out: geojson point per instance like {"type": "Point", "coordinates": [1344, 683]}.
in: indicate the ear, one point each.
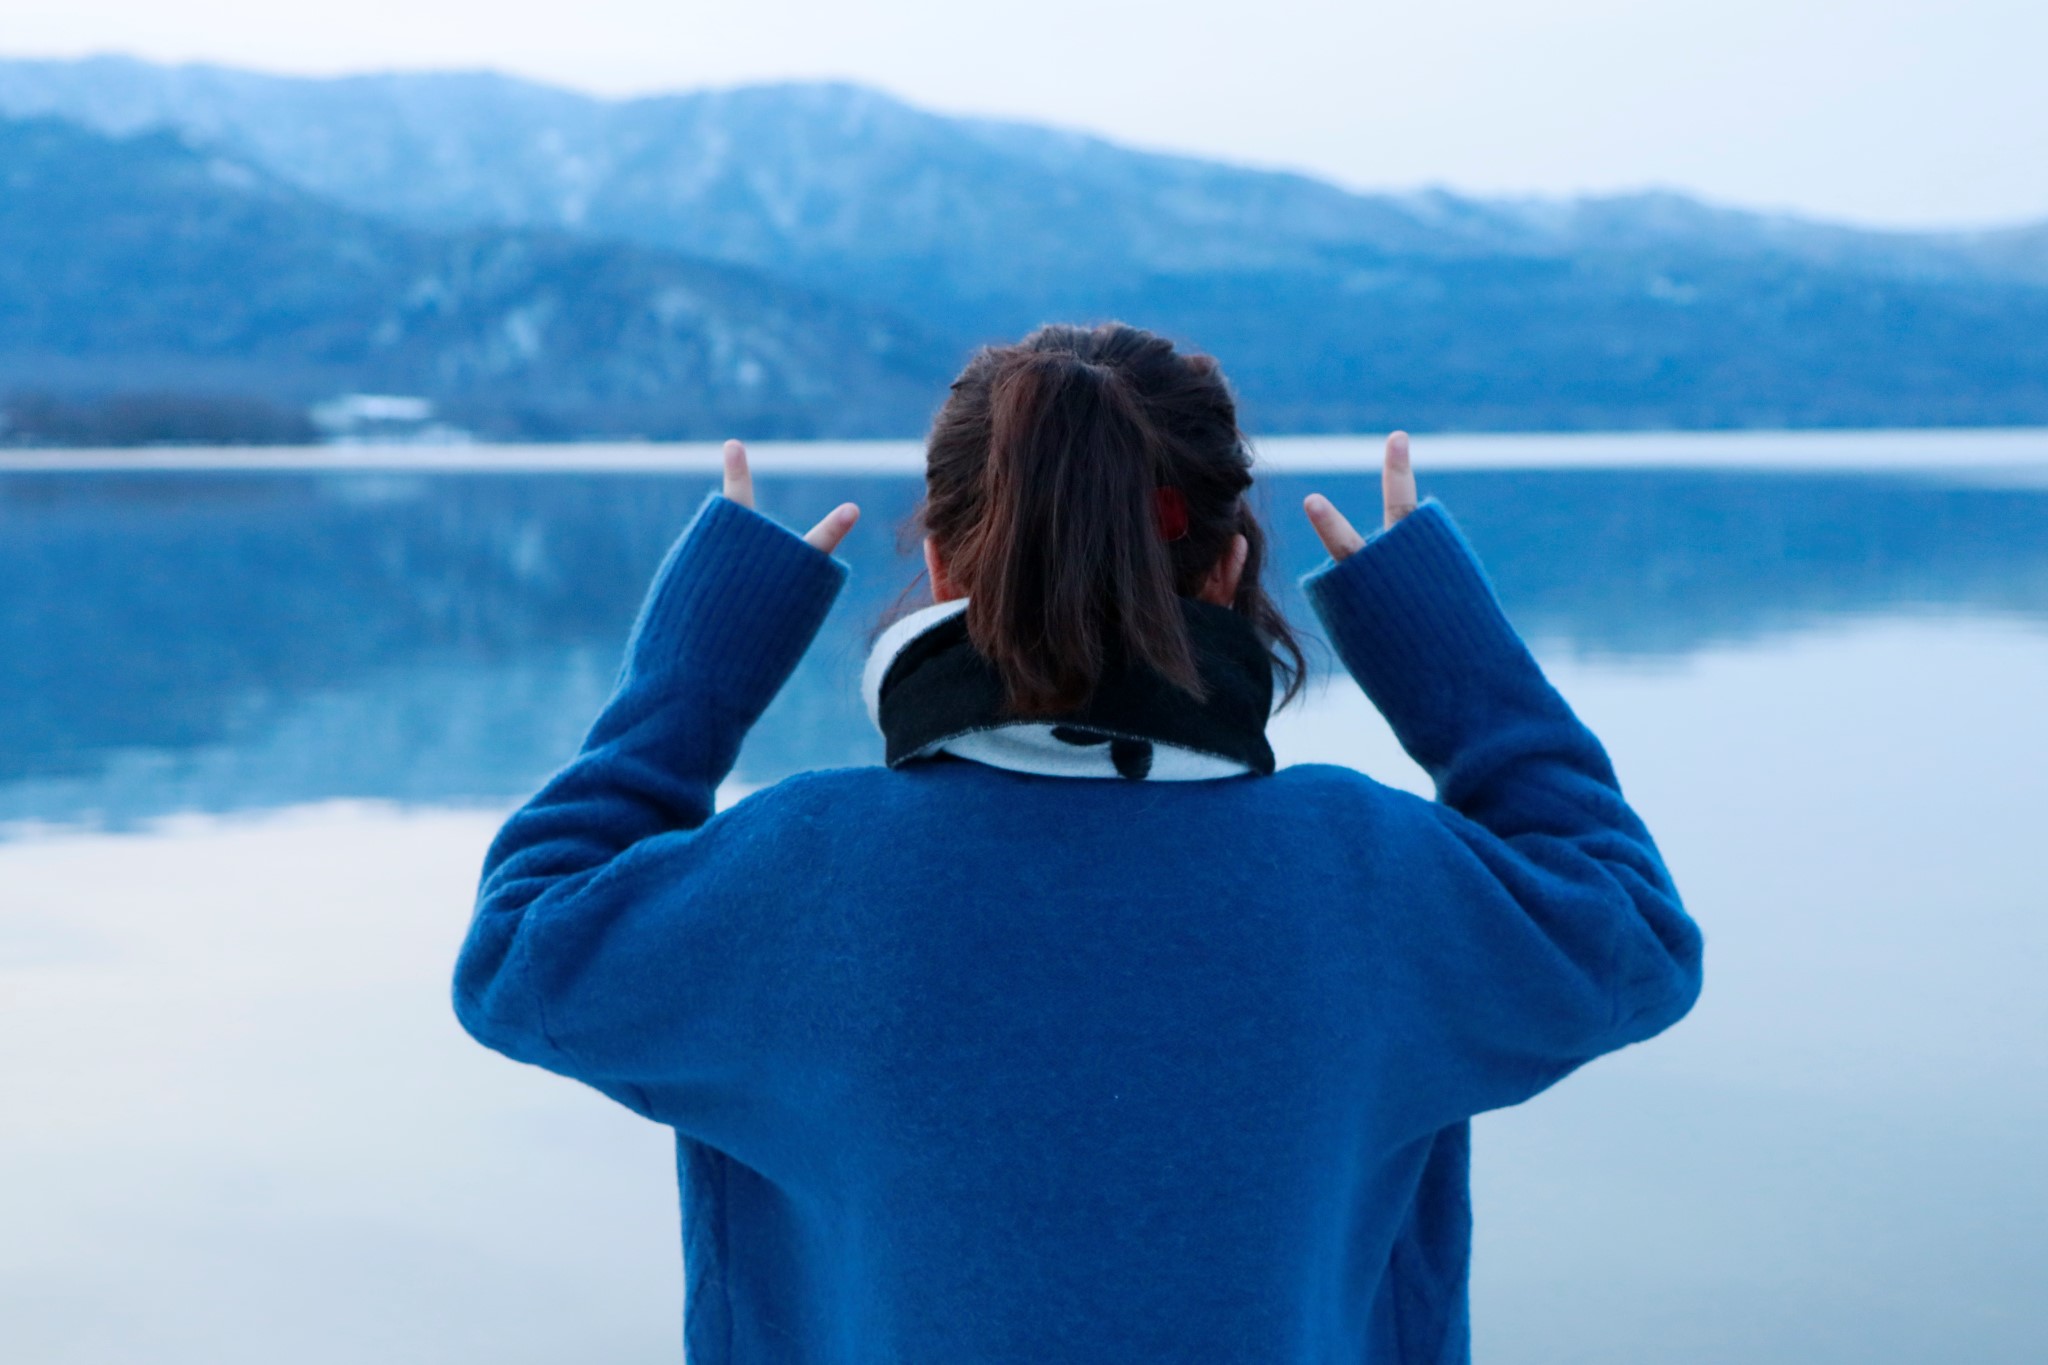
{"type": "Point", "coordinates": [943, 588]}
{"type": "Point", "coordinates": [1220, 587]}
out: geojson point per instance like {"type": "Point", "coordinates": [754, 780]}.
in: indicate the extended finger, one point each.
{"type": "Point", "coordinates": [827, 534]}
{"type": "Point", "coordinates": [1338, 535]}
{"type": "Point", "coordinates": [739, 480]}
{"type": "Point", "coordinates": [1397, 479]}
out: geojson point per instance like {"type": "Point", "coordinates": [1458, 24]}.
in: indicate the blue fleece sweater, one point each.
{"type": "Point", "coordinates": [971, 1066]}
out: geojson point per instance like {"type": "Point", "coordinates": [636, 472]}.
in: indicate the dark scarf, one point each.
{"type": "Point", "coordinates": [929, 692]}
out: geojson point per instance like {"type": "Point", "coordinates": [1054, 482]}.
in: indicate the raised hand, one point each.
{"type": "Point", "coordinates": [1397, 493]}
{"type": "Point", "coordinates": [739, 486]}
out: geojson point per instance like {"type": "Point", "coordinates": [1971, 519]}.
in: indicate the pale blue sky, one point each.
{"type": "Point", "coordinates": [1905, 112]}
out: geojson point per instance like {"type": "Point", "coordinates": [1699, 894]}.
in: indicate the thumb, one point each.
{"type": "Point", "coordinates": [1337, 533]}
{"type": "Point", "coordinates": [827, 534]}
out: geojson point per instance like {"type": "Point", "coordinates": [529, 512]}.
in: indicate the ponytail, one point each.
{"type": "Point", "coordinates": [1078, 484]}
{"type": "Point", "coordinates": [1071, 572]}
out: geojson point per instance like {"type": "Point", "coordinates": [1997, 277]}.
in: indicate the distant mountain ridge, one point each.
{"type": "Point", "coordinates": [824, 171]}
{"type": "Point", "coordinates": [1331, 310]}
{"type": "Point", "coordinates": [139, 264]}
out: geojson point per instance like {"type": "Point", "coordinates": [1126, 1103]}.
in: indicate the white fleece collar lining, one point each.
{"type": "Point", "coordinates": [1027, 746]}
{"type": "Point", "coordinates": [894, 641]}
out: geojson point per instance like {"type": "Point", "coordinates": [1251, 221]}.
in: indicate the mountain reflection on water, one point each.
{"type": "Point", "coordinates": [219, 640]}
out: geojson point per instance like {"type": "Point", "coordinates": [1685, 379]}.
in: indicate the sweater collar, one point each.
{"type": "Point", "coordinates": [930, 692]}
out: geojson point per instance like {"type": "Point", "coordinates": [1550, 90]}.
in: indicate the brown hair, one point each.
{"type": "Point", "coordinates": [1040, 496]}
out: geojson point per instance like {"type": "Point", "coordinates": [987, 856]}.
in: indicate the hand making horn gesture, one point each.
{"type": "Point", "coordinates": [1397, 491]}
{"type": "Point", "coordinates": [739, 486]}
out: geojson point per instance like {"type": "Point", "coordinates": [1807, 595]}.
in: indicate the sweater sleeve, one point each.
{"type": "Point", "coordinates": [589, 867]}
{"type": "Point", "coordinates": [1553, 932]}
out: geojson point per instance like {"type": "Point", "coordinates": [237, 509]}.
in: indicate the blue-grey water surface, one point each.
{"type": "Point", "coordinates": [255, 728]}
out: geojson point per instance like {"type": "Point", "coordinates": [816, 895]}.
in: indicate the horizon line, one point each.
{"type": "Point", "coordinates": [2009, 456]}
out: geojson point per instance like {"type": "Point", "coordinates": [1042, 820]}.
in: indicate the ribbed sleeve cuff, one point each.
{"type": "Point", "coordinates": [1415, 620]}
{"type": "Point", "coordinates": [735, 604]}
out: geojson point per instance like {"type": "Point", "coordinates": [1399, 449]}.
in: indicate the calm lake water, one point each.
{"type": "Point", "coordinates": [257, 726]}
